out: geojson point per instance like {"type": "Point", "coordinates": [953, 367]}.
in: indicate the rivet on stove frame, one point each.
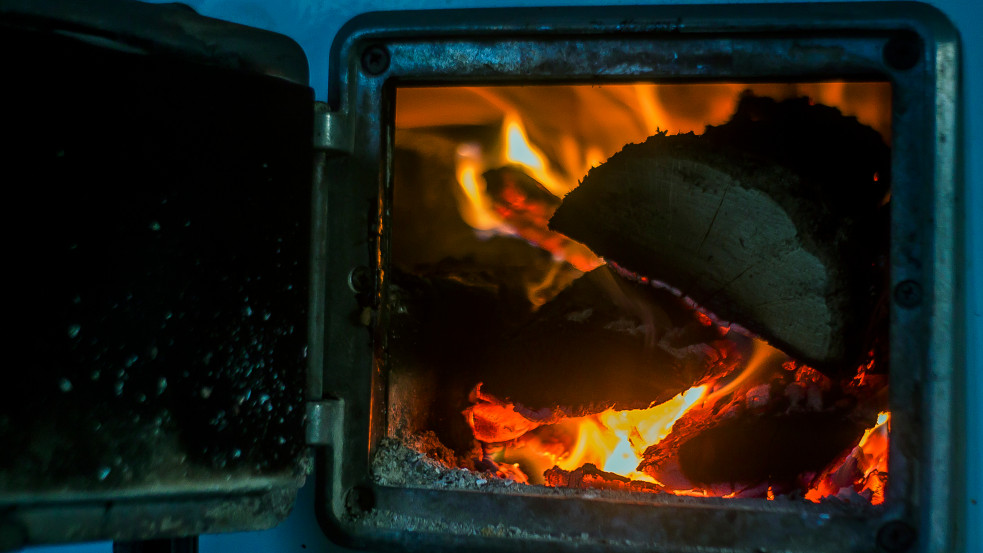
{"type": "Point", "coordinates": [375, 60]}
{"type": "Point", "coordinates": [359, 279]}
{"type": "Point", "coordinates": [908, 293]}
{"type": "Point", "coordinates": [903, 51]}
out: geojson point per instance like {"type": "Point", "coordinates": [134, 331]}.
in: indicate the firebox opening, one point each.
{"type": "Point", "coordinates": [667, 288]}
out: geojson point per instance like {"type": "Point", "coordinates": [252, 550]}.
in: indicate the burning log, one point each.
{"type": "Point", "coordinates": [591, 477]}
{"type": "Point", "coordinates": [603, 342]}
{"type": "Point", "coordinates": [773, 448]}
{"type": "Point", "coordinates": [773, 221]}
{"type": "Point", "coordinates": [526, 206]}
{"type": "Point", "coordinates": [496, 421]}
{"type": "Point", "coordinates": [606, 342]}
{"type": "Point", "coordinates": [797, 423]}
{"type": "Point", "coordinates": [861, 472]}
{"type": "Point", "coordinates": [440, 328]}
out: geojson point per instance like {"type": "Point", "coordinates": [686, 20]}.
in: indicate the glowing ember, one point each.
{"type": "Point", "coordinates": [494, 420]}
{"type": "Point", "coordinates": [862, 471]}
{"type": "Point", "coordinates": [613, 440]}
{"type": "Point", "coordinates": [513, 212]}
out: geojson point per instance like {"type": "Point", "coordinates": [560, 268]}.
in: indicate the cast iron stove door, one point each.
{"type": "Point", "coordinates": [156, 174]}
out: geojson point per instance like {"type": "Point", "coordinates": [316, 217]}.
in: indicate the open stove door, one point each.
{"type": "Point", "coordinates": [156, 170]}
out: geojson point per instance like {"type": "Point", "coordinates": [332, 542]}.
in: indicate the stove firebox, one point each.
{"type": "Point", "coordinates": [609, 383]}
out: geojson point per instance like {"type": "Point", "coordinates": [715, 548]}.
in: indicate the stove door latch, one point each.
{"type": "Point", "coordinates": [325, 421]}
{"type": "Point", "coordinates": [332, 132]}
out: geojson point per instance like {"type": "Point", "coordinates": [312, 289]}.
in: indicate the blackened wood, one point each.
{"type": "Point", "coordinates": [606, 342]}
{"type": "Point", "coordinates": [525, 206]}
{"type": "Point", "coordinates": [440, 329]}
{"type": "Point", "coordinates": [785, 425]}
{"type": "Point", "coordinates": [591, 477]}
{"type": "Point", "coordinates": [773, 221]}
{"type": "Point", "coordinates": [774, 448]}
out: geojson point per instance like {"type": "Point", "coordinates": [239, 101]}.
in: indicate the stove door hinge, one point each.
{"type": "Point", "coordinates": [325, 421]}
{"type": "Point", "coordinates": [332, 133]}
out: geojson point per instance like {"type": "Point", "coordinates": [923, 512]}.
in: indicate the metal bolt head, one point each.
{"type": "Point", "coordinates": [360, 279]}
{"type": "Point", "coordinates": [375, 60]}
{"type": "Point", "coordinates": [908, 293]}
{"type": "Point", "coordinates": [896, 536]}
{"type": "Point", "coordinates": [903, 51]}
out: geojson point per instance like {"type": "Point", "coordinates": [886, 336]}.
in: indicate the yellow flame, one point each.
{"type": "Point", "coordinates": [519, 150]}
{"type": "Point", "coordinates": [614, 441]}
{"type": "Point", "coordinates": [474, 204]}
{"type": "Point", "coordinates": [759, 359]}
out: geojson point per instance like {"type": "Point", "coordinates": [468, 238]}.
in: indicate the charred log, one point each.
{"type": "Point", "coordinates": [591, 477]}
{"type": "Point", "coordinates": [605, 342]}
{"type": "Point", "coordinates": [439, 329]}
{"type": "Point", "coordinates": [526, 206]}
{"type": "Point", "coordinates": [773, 221]}
{"type": "Point", "coordinates": [514, 191]}
{"type": "Point", "coordinates": [773, 448]}
{"type": "Point", "coordinates": [775, 432]}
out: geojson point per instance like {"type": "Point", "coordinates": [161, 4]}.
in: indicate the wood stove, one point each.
{"type": "Point", "coordinates": [441, 259]}
{"type": "Point", "coordinates": [387, 69]}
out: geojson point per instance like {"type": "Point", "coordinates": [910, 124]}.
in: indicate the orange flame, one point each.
{"type": "Point", "coordinates": [864, 469]}
{"type": "Point", "coordinates": [479, 211]}
{"type": "Point", "coordinates": [612, 440]}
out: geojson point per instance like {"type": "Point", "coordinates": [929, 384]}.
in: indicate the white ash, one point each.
{"type": "Point", "coordinates": [397, 463]}
{"type": "Point", "coordinates": [387, 519]}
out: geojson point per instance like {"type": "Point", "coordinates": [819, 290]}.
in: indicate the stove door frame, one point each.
{"type": "Point", "coordinates": [910, 45]}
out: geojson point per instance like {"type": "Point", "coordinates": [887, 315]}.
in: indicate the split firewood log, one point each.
{"type": "Point", "coordinates": [439, 329]}
{"type": "Point", "coordinates": [774, 221]}
{"type": "Point", "coordinates": [526, 206]}
{"type": "Point", "coordinates": [794, 423]}
{"type": "Point", "coordinates": [606, 342]}
{"type": "Point", "coordinates": [772, 447]}
{"type": "Point", "coordinates": [591, 477]}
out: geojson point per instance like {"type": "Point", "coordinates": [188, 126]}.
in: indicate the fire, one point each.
{"type": "Point", "coordinates": [519, 151]}
{"type": "Point", "coordinates": [554, 135]}
{"type": "Point", "coordinates": [612, 440]}
{"type": "Point", "coordinates": [493, 420]}
{"type": "Point", "coordinates": [473, 202]}
{"type": "Point", "coordinates": [513, 212]}
{"type": "Point", "coordinates": [503, 215]}
{"type": "Point", "coordinates": [862, 471]}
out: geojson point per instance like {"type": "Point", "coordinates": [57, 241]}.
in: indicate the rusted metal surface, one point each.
{"type": "Point", "coordinates": [665, 44]}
